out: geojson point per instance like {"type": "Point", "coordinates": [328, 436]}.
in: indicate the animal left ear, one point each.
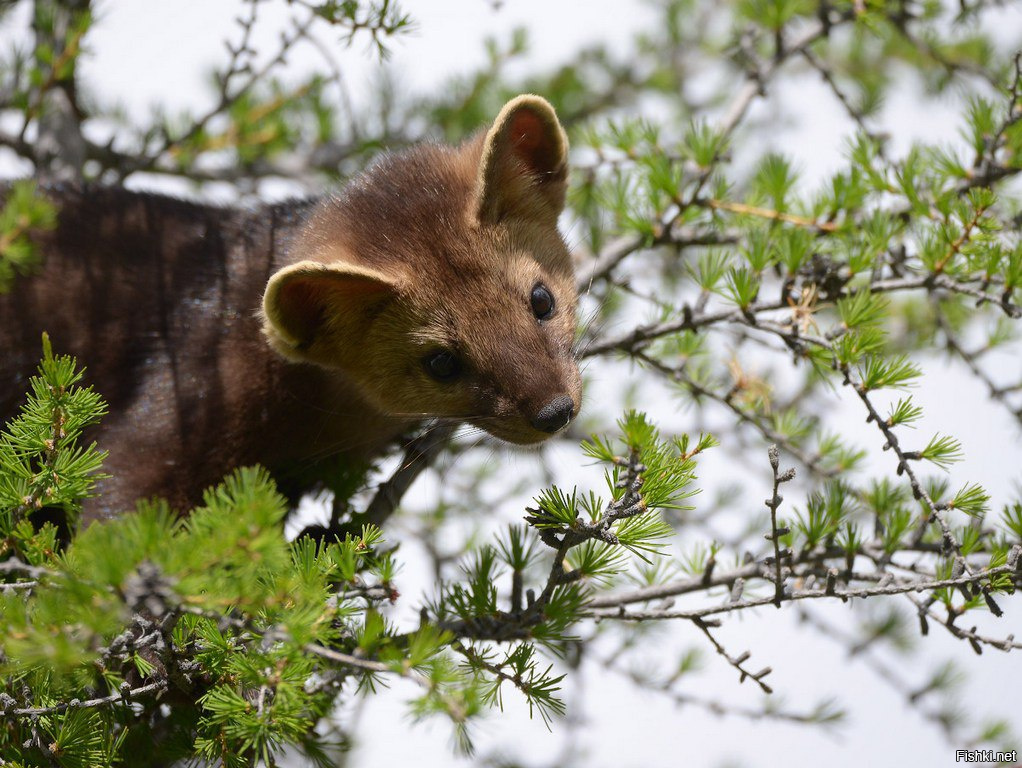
{"type": "Point", "coordinates": [308, 306]}
{"type": "Point", "coordinates": [523, 171]}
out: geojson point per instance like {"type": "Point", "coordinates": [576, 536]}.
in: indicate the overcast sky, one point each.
{"type": "Point", "coordinates": [145, 52]}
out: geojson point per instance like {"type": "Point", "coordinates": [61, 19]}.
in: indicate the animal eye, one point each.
{"type": "Point", "coordinates": [542, 302]}
{"type": "Point", "coordinates": [442, 365]}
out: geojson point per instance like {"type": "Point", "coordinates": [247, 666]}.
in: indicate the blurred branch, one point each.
{"type": "Point", "coordinates": [997, 393]}
{"type": "Point", "coordinates": [914, 696]}
{"type": "Point", "coordinates": [418, 456]}
{"type": "Point", "coordinates": [58, 148]}
{"type": "Point", "coordinates": [745, 416]}
{"type": "Point", "coordinates": [825, 713]}
{"type": "Point", "coordinates": [690, 320]}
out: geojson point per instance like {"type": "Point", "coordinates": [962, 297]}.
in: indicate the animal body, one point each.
{"type": "Point", "coordinates": [436, 284]}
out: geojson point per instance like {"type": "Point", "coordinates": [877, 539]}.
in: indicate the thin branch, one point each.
{"type": "Point", "coordinates": [904, 465]}
{"type": "Point", "coordinates": [691, 320]}
{"type": "Point", "coordinates": [886, 673]}
{"type": "Point", "coordinates": [735, 661]}
{"type": "Point", "coordinates": [678, 375]}
{"type": "Point", "coordinates": [125, 695]}
{"type": "Point", "coordinates": [773, 503]}
{"type": "Point", "coordinates": [756, 79]}
{"type": "Point", "coordinates": [971, 579]}
{"type": "Point", "coordinates": [58, 149]}
{"type": "Point", "coordinates": [14, 565]}
{"type": "Point", "coordinates": [823, 714]}
{"type": "Point", "coordinates": [767, 213]}
{"type": "Point", "coordinates": [999, 394]}
{"type": "Point", "coordinates": [418, 456]}
{"type": "Point", "coordinates": [853, 112]}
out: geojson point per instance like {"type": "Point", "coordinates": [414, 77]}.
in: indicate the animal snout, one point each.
{"type": "Point", "coordinates": [555, 414]}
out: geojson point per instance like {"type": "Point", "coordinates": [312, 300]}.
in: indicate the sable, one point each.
{"type": "Point", "coordinates": [436, 284]}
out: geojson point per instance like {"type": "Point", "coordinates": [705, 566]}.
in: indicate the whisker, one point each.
{"type": "Point", "coordinates": [317, 407]}
{"type": "Point", "coordinates": [585, 337]}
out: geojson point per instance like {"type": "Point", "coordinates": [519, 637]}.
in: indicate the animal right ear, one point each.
{"type": "Point", "coordinates": [524, 166]}
{"type": "Point", "coordinates": [309, 303]}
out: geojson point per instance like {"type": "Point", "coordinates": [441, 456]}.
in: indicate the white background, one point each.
{"type": "Point", "coordinates": [146, 52]}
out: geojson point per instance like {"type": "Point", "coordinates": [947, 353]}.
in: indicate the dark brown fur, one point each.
{"type": "Point", "coordinates": [437, 247]}
{"type": "Point", "coordinates": [158, 299]}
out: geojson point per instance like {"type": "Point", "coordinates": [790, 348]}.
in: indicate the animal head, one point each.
{"type": "Point", "coordinates": [438, 284]}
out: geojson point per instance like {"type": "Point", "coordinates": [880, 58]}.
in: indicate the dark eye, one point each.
{"type": "Point", "coordinates": [442, 365]}
{"type": "Point", "coordinates": [542, 302]}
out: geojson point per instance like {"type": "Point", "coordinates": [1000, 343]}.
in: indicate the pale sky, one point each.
{"type": "Point", "coordinates": [143, 52]}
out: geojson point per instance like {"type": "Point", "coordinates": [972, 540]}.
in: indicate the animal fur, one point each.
{"type": "Point", "coordinates": [229, 337]}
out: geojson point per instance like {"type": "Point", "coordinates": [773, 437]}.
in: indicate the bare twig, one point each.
{"type": "Point", "coordinates": [776, 531]}
{"type": "Point", "coordinates": [735, 661]}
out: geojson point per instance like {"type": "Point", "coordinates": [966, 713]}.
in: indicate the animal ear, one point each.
{"type": "Point", "coordinates": [309, 302]}
{"type": "Point", "coordinates": [524, 166]}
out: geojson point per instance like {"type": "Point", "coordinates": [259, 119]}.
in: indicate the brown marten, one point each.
{"type": "Point", "coordinates": [436, 284]}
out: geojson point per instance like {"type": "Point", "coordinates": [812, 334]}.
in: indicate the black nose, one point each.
{"type": "Point", "coordinates": [554, 415]}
